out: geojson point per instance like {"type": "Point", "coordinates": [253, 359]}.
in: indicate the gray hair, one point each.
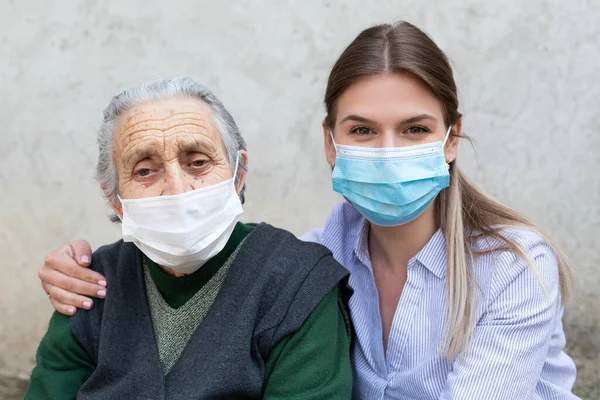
{"type": "Point", "coordinates": [162, 89]}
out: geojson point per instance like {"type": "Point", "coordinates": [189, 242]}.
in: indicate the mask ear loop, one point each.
{"type": "Point", "coordinates": [334, 144]}
{"type": "Point", "coordinates": [122, 209]}
{"type": "Point", "coordinates": [447, 136]}
{"type": "Point", "coordinates": [237, 161]}
{"type": "Point", "coordinates": [331, 135]}
{"type": "Point", "coordinates": [333, 141]}
{"type": "Point", "coordinates": [444, 143]}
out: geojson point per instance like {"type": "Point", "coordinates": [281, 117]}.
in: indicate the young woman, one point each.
{"type": "Point", "coordinates": [455, 295]}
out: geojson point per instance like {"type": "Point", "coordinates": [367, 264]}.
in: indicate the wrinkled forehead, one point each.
{"type": "Point", "coordinates": [185, 120]}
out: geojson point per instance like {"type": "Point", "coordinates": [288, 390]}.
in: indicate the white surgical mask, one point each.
{"type": "Point", "coordinates": [183, 231]}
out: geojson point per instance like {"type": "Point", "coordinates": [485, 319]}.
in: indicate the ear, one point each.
{"type": "Point", "coordinates": [241, 172]}
{"type": "Point", "coordinates": [452, 143]}
{"type": "Point", "coordinates": [114, 204]}
{"type": "Point", "coordinates": [117, 208]}
{"type": "Point", "coordinates": [329, 146]}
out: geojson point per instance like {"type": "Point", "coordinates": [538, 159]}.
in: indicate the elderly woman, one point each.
{"type": "Point", "coordinates": [201, 306]}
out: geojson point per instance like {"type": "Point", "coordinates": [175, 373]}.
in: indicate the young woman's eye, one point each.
{"type": "Point", "coordinates": [361, 131]}
{"type": "Point", "coordinates": [417, 130]}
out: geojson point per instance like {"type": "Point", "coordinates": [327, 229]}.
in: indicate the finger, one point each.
{"type": "Point", "coordinates": [45, 286]}
{"type": "Point", "coordinates": [69, 299]}
{"type": "Point", "coordinates": [62, 261]}
{"type": "Point", "coordinates": [81, 252]}
{"type": "Point", "coordinates": [54, 278]}
{"type": "Point", "coordinates": [63, 308]}
{"type": "Point", "coordinates": [85, 274]}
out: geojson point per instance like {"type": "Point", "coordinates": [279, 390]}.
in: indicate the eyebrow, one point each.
{"type": "Point", "coordinates": [196, 145]}
{"type": "Point", "coordinates": [417, 118]}
{"type": "Point", "coordinates": [136, 155]}
{"type": "Point", "coordinates": [185, 144]}
{"type": "Point", "coordinates": [357, 118]}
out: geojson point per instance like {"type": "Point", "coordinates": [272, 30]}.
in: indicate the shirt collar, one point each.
{"type": "Point", "coordinates": [361, 248]}
{"type": "Point", "coordinates": [432, 256]}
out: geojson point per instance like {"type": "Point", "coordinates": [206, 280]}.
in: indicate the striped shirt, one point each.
{"type": "Point", "coordinates": [516, 352]}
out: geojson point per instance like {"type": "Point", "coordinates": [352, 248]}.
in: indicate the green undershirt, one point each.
{"type": "Point", "coordinates": [312, 363]}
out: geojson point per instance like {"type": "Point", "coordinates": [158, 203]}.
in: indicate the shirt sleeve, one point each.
{"type": "Point", "coordinates": [62, 364]}
{"type": "Point", "coordinates": [314, 362]}
{"type": "Point", "coordinates": [511, 340]}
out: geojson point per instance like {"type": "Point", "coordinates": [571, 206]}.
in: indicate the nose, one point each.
{"type": "Point", "coordinates": [176, 182]}
{"type": "Point", "coordinates": [389, 139]}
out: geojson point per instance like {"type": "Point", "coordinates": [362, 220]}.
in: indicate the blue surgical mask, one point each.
{"type": "Point", "coordinates": [391, 186]}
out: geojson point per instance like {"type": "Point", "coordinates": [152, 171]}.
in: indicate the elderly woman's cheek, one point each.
{"type": "Point", "coordinates": [202, 176]}
{"type": "Point", "coordinates": [133, 187]}
{"type": "Point", "coordinates": [198, 179]}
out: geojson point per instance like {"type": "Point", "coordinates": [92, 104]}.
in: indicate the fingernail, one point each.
{"type": "Point", "coordinates": [102, 283]}
{"type": "Point", "coordinates": [101, 293]}
{"type": "Point", "coordinates": [71, 310]}
{"type": "Point", "coordinates": [85, 259]}
{"type": "Point", "coordinates": [87, 304]}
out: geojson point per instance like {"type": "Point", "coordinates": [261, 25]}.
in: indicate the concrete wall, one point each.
{"type": "Point", "coordinates": [529, 89]}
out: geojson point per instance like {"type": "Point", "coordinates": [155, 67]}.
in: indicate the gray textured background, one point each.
{"type": "Point", "coordinates": [529, 89]}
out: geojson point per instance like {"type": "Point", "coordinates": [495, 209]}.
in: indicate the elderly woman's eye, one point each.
{"type": "Point", "coordinates": [198, 163]}
{"type": "Point", "coordinates": [417, 130]}
{"type": "Point", "coordinates": [144, 172]}
{"type": "Point", "coordinates": [361, 131]}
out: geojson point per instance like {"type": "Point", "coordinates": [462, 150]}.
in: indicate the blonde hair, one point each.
{"type": "Point", "coordinates": [464, 212]}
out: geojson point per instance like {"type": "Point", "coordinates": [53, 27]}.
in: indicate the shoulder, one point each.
{"type": "Point", "coordinates": [292, 276]}
{"type": "Point", "coordinates": [277, 256]}
{"type": "Point", "coordinates": [109, 251]}
{"type": "Point", "coordinates": [531, 243]}
{"type": "Point", "coordinates": [341, 231]}
{"type": "Point", "coordinates": [500, 267]}
{"type": "Point", "coordinates": [278, 251]}
{"type": "Point", "coordinates": [343, 218]}
{"type": "Point", "coordinates": [314, 236]}
{"type": "Point", "coordinates": [276, 242]}
{"type": "Point", "coordinates": [344, 214]}
{"type": "Point", "coordinates": [106, 258]}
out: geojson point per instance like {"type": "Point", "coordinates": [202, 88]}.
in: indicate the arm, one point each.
{"type": "Point", "coordinates": [62, 365]}
{"type": "Point", "coordinates": [66, 278]}
{"type": "Point", "coordinates": [314, 362]}
{"type": "Point", "coordinates": [511, 341]}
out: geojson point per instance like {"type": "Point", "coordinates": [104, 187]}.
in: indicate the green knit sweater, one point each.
{"type": "Point", "coordinates": [312, 363]}
{"type": "Point", "coordinates": [173, 327]}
